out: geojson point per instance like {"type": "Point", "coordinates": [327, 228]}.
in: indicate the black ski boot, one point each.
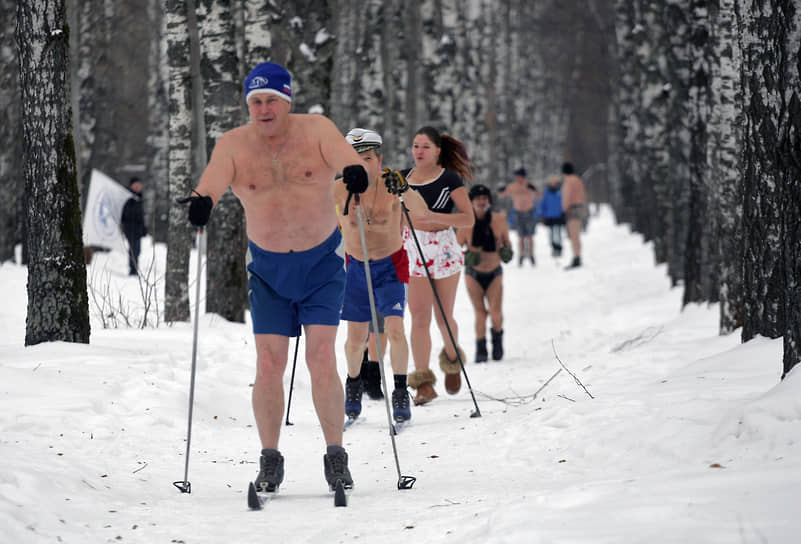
{"type": "Point", "coordinates": [353, 397]}
{"type": "Point", "coordinates": [371, 378]}
{"type": "Point", "coordinates": [497, 344]}
{"type": "Point", "coordinates": [272, 471]}
{"type": "Point", "coordinates": [335, 465]}
{"type": "Point", "coordinates": [400, 405]}
{"type": "Point", "coordinates": [481, 350]}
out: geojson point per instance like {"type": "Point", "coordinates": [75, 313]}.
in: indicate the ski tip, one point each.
{"type": "Point", "coordinates": [340, 498]}
{"type": "Point", "coordinates": [254, 503]}
{"type": "Point", "coordinates": [350, 421]}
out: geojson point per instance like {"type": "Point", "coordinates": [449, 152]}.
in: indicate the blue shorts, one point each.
{"type": "Point", "coordinates": [526, 223]}
{"type": "Point", "coordinates": [287, 290]}
{"type": "Point", "coordinates": [390, 277]}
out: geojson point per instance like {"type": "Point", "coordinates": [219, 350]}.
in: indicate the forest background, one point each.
{"type": "Point", "coordinates": [684, 115]}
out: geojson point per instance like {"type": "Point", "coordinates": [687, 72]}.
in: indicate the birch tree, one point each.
{"type": "Point", "coordinates": [700, 272]}
{"type": "Point", "coordinates": [179, 232]}
{"type": "Point", "coordinates": [226, 284]}
{"type": "Point", "coordinates": [158, 139]}
{"type": "Point", "coordinates": [11, 178]}
{"type": "Point", "coordinates": [630, 36]}
{"type": "Point", "coordinates": [790, 149]}
{"type": "Point", "coordinates": [723, 160]}
{"type": "Point", "coordinates": [58, 306]}
{"type": "Point", "coordinates": [90, 56]}
{"type": "Point", "coordinates": [762, 214]}
{"type": "Point", "coordinates": [772, 174]}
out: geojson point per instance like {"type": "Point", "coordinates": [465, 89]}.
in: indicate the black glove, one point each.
{"type": "Point", "coordinates": [355, 178]}
{"type": "Point", "coordinates": [506, 253]}
{"type": "Point", "coordinates": [199, 209]}
{"type": "Point", "coordinates": [395, 182]}
{"type": "Point", "coordinates": [472, 258]}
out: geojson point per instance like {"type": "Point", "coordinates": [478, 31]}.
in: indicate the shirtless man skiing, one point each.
{"type": "Point", "coordinates": [281, 166]}
{"type": "Point", "coordinates": [382, 219]}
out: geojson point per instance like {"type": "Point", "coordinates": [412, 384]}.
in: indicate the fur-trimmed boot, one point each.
{"type": "Point", "coordinates": [452, 370]}
{"type": "Point", "coordinates": [423, 381]}
{"type": "Point", "coordinates": [497, 344]}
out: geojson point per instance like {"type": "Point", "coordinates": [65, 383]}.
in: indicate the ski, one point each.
{"type": "Point", "coordinates": [351, 421]}
{"type": "Point", "coordinates": [398, 426]}
{"type": "Point", "coordinates": [257, 499]}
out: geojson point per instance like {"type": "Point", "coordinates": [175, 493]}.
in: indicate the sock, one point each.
{"type": "Point", "coordinates": [333, 450]}
{"type": "Point", "coordinates": [400, 381]}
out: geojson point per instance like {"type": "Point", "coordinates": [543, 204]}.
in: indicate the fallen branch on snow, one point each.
{"type": "Point", "coordinates": [568, 370]}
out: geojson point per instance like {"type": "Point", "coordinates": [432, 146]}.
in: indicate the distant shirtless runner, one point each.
{"type": "Point", "coordinates": [281, 166]}
{"type": "Point", "coordinates": [524, 200]}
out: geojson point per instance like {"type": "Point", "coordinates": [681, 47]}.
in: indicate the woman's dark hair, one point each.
{"type": "Point", "coordinates": [453, 153]}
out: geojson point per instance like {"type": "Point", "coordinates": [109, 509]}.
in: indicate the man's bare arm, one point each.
{"type": "Point", "coordinates": [335, 149]}
{"type": "Point", "coordinates": [219, 172]}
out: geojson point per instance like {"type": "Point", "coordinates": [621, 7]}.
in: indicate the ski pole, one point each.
{"type": "Point", "coordinates": [404, 482]}
{"type": "Point", "coordinates": [477, 413]}
{"type": "Point", "coordinates": [184, 484]}
{"type": "Point", "coordinates": [292, 381]}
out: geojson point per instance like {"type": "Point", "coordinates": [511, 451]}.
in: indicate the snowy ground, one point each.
{"type": "Point", "coordinates": [690, 437]}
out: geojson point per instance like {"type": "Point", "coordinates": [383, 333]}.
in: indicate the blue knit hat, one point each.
{"type": "Point", "coordinates": [269, 77]}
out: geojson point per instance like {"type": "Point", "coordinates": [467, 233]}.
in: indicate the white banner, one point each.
{"type": "Point", "coordinates": [101, 219]}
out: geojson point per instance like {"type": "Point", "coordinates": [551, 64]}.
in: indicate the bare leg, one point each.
{"type": "Point", "coordinates": [477, 298]}
{"type": "Point", "coordinates": [574, 232]}
{"type": "Point", "coordinates": [372, 352]}
{"type": "Point", "coordinates": [421, 300]}
{"type": "Point", "coordinates": [354, 346]}
{"type": "Point", "coordinates": [268, 391]}
{"type": "Point", "coordinates": [327, 392]}
{"type": "Point", "coordinates": [399, 348]}
{"type": "Point", "coordinates": [495, 299]}
{"type": "Point", "coordinates": [446, 289]}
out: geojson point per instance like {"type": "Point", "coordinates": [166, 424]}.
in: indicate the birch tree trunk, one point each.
{"type": "Point", "coordinates": [723, 159]}
{"type": "Point", "coordinates": [92, 29]}
{"type": "Point", "coordinates": [789, 17]}
{"type": "Point", "coordinates": [179, 232]}
{"type": "Point", "coordinates": [158, 122]}
{"type": "Point", "coordinates": [58, 305]}
{"type": "Point", "coordinates": [226, 284]}
{"type": "Point", "coordinates": [763, 47]}
{"type": "Point", "coordinates": [11, 177]}
{"type": "Point", "coordinates": [700, 272]}
{"type": "Point", "coordinates": [630, 36]}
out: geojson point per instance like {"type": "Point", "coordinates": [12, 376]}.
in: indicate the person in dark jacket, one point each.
{"type": "Point", "coordinates": [551, 213]}
{"type": "Point", "coordinates": [133, 224]}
